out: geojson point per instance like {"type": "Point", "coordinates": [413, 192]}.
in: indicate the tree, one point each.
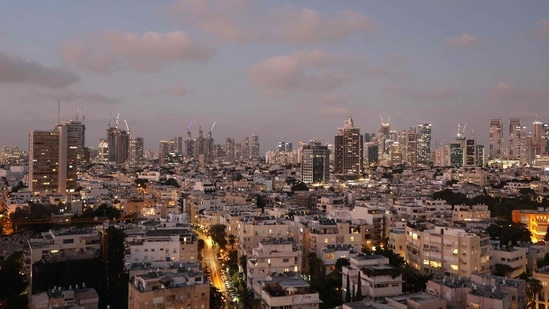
{"type": "Point", "coordinates": [348, 290]}
{"type": "Point", "coordinates": [503, 270]}
{"type": "Point", "coordinates": [358, 296]}
{"type": "Point", "coordinates": [216, 298]}
{"type": "Point", "coordinates": [232, 241]}
{"type": "Point", "coordinates": [243, 261]}
{"type": "Point", "coordinates": [12, 282]}
{"type": "Point", "coordinates": [533, 288]}
{"type": "Point", "coordinates": [509, 233]}
{"type": "Point", "coordinates": [300, 186]}
{"type": "Point", "coordinates": [218, 233]}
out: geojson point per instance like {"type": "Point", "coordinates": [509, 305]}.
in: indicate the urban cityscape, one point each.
{"type": "Point", "coordinates": [244, 154]}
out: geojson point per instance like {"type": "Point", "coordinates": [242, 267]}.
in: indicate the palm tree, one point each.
{"type": "Point", "coordinates": [533, 288]}
{"type": "Point", "coordinates": [232, 241]}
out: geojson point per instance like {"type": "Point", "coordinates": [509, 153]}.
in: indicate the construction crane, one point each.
{"type": "Point", "coordinates": [213, 125]}
{"type": "Point", "coordinates": [127, 127]}
{"type": "Point", "coordinates": [116, 122]}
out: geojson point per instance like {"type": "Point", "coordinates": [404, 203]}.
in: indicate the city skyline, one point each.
{"type": "Point", "coordinates": [285, 71]}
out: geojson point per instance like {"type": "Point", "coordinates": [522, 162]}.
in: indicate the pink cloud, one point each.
{"type": "Point", "coordinates": [126, 50]}
{"type": "Point", "coordinates": [463, 40]}
{"type": "Point", "coordinates": [303, 71]}
{"type": "Point", "coordinates": [502, 87]}
{"type": "Point", "coordinates": [176, 90]}
{"type": "Point", "coordinates": [397, 59]}
{"type": "Point", "coordinates": [16, 70]}
{"type": "Point", "coordinates": [307, 26]}
{"type": "Point", "coordinates": [219, 19]}
{"type": "Point", "coordinates": [235, 21]}
{"type": "Point", "coordinates": [543, 29]}
{"type": "Point", "coordinates": [435, 95]}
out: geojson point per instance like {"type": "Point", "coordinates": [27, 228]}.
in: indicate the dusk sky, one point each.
{"type": "Point", "coordinates": [285, 70]}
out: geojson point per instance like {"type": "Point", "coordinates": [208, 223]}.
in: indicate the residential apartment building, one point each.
{"type": "Point", "coordinates": [180, 289]}
{"type": "Point", "coordinates": [447, 251]}
{"type": "Point", "coordinates": [162, 245]}
{"type": "Point", "coordinates": [273, 255]}
{"type": "Point", "coordinates": [252, 230]}
{"type": "Point", "coordinates": [536, 222]}
{"type": "Point", "coordinates": [373, 275]}
{"type": "Point", "coordinates": [288, 290]}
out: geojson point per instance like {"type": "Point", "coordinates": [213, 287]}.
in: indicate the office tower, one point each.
{"type": "Point", "coordinates": [245, 148]}
{"type": "Point", "coordinates": [315, 163]}
{"type": "Point", "coordinates": [112, 138]}
{"type": "Point", "coordinates": [515, 134]}
{"type": "Point", "coordinates": [43, 161]}
{"type": "Point", "coordinates": [480, 155]}
{"type": "Point", "coordinates": [384, 139]}
{"type": "Point", "coordinates": [178, 144]}
{"type": "Point", "coordinates": [199, 144]}
{"type": "Point", "coordinates": [281, 146]}
{"type": "Point", "coordinates": [471, 153]}
{"type": "Point", "coordinates": [229, 149]}
{"type": "Point", "coordinates": [527, 150]}
{"type": "Point", "coordinates": [71, 154]}
{"type": "Point", "coordinates": [367, 137]}
{"type": "Point", "coordinates": [411, 147]}
{"type": "Point", "coordinates": [372, 153]}
{"type": "Point", "coordinates": [496, 139]}
{"type": "Point", "coordinates": [546, 137]}
{"type": "Point", "coordinates": [456, 154]}
{"type": "Point", "coordinates": [348, 151]}
{"type": "Point", "coordinates": [189, 144]}
{"type": "Point", "coordinates": [238, 151]}
{"type": "Point", "coordinates": [103, 151]}
{"type": "Point", "coordinates": [163, 151]}
{"type": "Point", "coordinates": [289, 147]}
{"type": "Point", "coordinates": [136, 151]}
{"type": "Point", "coordinates": [538, 138]}
{"type": "Point", "coordinates": [122, 146]}
{"type": "Point", "coordinates": [424, 144]}
{"type": "Point", "coordinates": [255, 147]}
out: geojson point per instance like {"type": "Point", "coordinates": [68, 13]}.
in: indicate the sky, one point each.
{"type": "Point", "coordinates": [285, 70]}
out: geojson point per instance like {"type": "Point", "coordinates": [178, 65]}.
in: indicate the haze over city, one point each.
{"type": "Point", "coordinates": [288, 71]}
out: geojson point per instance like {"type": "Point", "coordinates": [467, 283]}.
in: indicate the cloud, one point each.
{"type": "Point", "coordinates": [217, 18]}
{"type": "Point", "coordinates": [335, 111]}
{"type": "Point", "coordinates": [304, 71]}
{"type": "Point", "coordinates": [235, 21]}
{"type": "Point", "coordinates": [542, 30]}
{"type": "Point", "coordinates": [502, 87]}
{"type": "Point", "coordinates": [16, 70]}
{"type": "Point", "coordinates": [116, 50]}
{"type": "Point", "coordinates": [176, 90]}
{"type": "Point", "coordinates": [307, 26]}
{"type": "Point", "coordinates": [435, 95]}
{"type": "Point", "coordinates": [463, 40]}
{"type": "Point", "coordinates": [397, 60]}
{"type": "Point", "coordinates": [80, 96]}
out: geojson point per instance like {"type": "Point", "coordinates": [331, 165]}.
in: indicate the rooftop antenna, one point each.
{"type": "Point", "coordinates": [58, 111]}
{"type": "Point", "coordinates": [83, 115]}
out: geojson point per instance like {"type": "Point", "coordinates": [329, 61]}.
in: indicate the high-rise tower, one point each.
{"type": "Point", "coordinates": [348, 151]}
{"type": "Point", "coordinates": [538, 140]}
{"type": "Point", "coordinates": [255, 147]}
{"type": "Point", "coordinates": [43, 161]}
{"type": "Point", "coordinates": [515, 136]}
{"type": "Point", "coordinates": [136, 151]}
{"type": "Point", "coordinates": [424, 144]}
{"type": "Point", "coordinates": [71, 153]}
{"type": "Point", "coordinates": [315, 163]}
{"type": "Point", "coordinates": [496, 139]}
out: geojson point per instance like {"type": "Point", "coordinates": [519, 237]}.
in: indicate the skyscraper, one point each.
{"type": "Point", "coordinates": [43, 161]}
{"type": "Point", "coordinates": [424, 144]}
{"type": "Point", "coordinates": [255, 147]}
{"type": "Point", "coordinates": [315, 163]}
{"type": "Point", "coordinates": [538, 140]}
{"type": "Point", "coordinates": [515, 135]}
{"type": "Point", "coordinates": [411, 147]}
{"type": "Point", "coordinates": [71, 153]}
{"type": "Point", "coordinates": [348, 151]}
{"type": "Point", "coordinates": [245, 148]}
{"type": "Point", "coordinates": [136, 151]}
{"type": "Point", "coordinates": [496, 139]}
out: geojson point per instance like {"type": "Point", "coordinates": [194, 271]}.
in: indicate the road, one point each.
{"type": "Point", "coordinates": [209, 259]}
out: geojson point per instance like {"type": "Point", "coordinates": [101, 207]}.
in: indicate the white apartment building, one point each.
{"type": "Point", "coordinates": [252, 230]}
{"type": "Point", "coordinates": [273, 255]}
{"type": "Point", "coordinates": [397, 241]}
{"type": "Point", "coordinates": [470, 213]}
{"type": "Point", "coordinates": [320, 233]}
{"type": "Point", "coordinates": [288, 290]}
{"type": "Point", "coordinates": [373, 275]}
{"type": "Point", "coordinates": [332, 253]}
{"type": "Point", "coordinates": [512, 257]}
{"type": "Point", "coordinates": [162, 245]}
{"type": "Point", "coordinates": [447, 251]}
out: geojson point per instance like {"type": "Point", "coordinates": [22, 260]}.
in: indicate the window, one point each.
{"type": "Point", "coordinates": [285, 260]}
